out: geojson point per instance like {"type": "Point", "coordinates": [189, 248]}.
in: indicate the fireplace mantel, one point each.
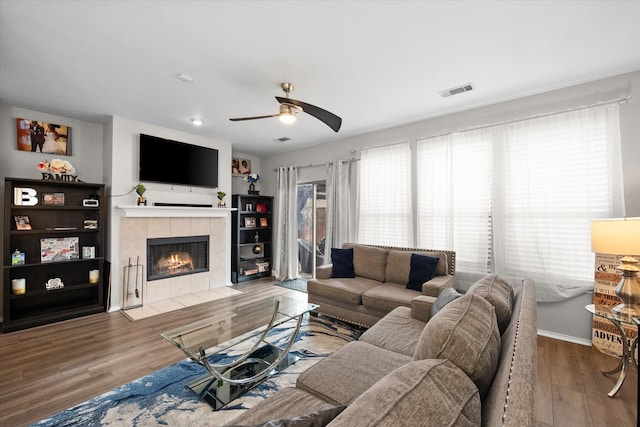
{"type": "Point", "coordinates": [135, 211]}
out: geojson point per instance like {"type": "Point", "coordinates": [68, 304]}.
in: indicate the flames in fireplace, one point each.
{"type": "Point", "coordinates": [168, 257]}
{"type": "Point", "coordinates": [176, 262]}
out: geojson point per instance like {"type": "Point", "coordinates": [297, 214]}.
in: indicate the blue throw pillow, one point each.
{"type": "Point", "coordinates": [342, 260]}
{"type": "Point", "coordinates": [446, 296]}
{"type": "Point", "coordinates": [423, 268]}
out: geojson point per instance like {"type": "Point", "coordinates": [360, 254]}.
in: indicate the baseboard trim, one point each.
{"type": "Point", "coordinates": [562, 337]}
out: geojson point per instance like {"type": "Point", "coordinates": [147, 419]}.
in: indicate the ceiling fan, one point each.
{"type": "Point", "coordinates": [290, 107]}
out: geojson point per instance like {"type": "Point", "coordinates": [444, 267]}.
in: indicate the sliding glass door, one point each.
{"type": "Point", "coordinates": [311, 227]}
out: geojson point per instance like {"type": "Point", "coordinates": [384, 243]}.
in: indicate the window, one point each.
{"type": "Point", "coordinates": [385, 196]}
{"type": "Point", "coordinates": [513, 199]}
{"type": "Point", "coordinates": [454, 197]}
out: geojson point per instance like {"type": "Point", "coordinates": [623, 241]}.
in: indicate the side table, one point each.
{"type": "Point", "coordinates": [628, 351]}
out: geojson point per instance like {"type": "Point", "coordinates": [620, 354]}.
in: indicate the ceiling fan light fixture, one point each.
{"type": "Point", "coordinates": [287, 114]}
{"type": "Point", "coordinates": [287, 118]}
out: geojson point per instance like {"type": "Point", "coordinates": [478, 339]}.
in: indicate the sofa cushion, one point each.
{"type": "Point", "coordinates": [445, 297]}
{"type": "Point", "coordinates": [422, 393]}
{"type": "Point", "coordinates": [342, 260]}
{"type": "Point", "coordinates": [397, 331]}
{"type": "Point", "coordinates": [387, 296]}
{"type": "Point", "coordinates": [399, 264]}
{"type": "Point", "coordinates": [287, 402]}
{"type": "Point", "coordinates": [499, 293]}
{"type": "Point", "coordinates": [348, 291]}
{"type": "Point", "coordinates": [319, 418]}
{"type": "Point", "coordinates": [423, 268]}
{"type": "Point", "coordinates": [368, 261]}
{"type": "Point", "coordinates": [348, 372]}
{"type": "Point", "coordinates": [465, 332]}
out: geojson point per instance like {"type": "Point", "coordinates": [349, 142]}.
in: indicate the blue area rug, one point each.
{"type": "Point", "coordinates": [162, 398]}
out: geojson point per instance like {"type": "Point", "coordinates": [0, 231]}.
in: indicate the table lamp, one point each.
{"type": "Point", "coordinates": [621, 236]}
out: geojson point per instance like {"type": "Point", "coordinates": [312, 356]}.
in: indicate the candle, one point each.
{"type": "Point", "coordinates": [94, 276]}
{"type": "Point", "coordinates": [18, 286]}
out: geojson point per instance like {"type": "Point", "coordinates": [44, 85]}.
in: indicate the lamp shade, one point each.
{"type": "Point", "coordinates": [619, 236]}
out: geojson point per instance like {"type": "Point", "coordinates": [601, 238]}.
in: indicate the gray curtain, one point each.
{"type": "Point", "coordinates": [286, 238]}
{"type": "Point", "coordinates": [338, 206]}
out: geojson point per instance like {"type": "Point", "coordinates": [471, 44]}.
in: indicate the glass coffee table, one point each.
{"type": "Point", "coordinates": [247, 325]}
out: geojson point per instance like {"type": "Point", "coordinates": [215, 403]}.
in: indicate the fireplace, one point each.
{"type": "Point", "coordinates": [177, 256]}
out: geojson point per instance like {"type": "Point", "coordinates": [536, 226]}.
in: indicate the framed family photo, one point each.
{"type": "Point", "coordinates": [42, 137]}
{"type": "Point", "coordinates": [240, 166]}
{"type": "Point", "coordinates": [22, 222]}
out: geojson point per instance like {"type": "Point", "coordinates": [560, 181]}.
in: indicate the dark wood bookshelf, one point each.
{"type": "Point", "coordinates": [79, 296]}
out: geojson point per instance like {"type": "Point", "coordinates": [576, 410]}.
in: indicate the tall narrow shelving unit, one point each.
{"type": "Point", "coordinates": [252, 234]}
{"type": "Point", "coordinates": [66, 240]}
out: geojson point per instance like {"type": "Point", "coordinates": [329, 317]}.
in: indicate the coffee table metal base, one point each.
{"type": "Point", "coordinates": [219, 393]}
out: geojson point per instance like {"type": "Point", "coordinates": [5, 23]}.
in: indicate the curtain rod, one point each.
{"type": "Point", "coordinates": [506, 122]}
{"type": "Point", "coordinates": [323, 164]}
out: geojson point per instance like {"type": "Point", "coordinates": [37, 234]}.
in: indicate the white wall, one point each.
{"type": "Point", "coordinates": [123, 149]}
{"type": "Point", "coordinates": [568, 318]}
{"type": "Point", "coordinates": [238, 184]}
{"type": "Point", "coordinates": [86, 146]}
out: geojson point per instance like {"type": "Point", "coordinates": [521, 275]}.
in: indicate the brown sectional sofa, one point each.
{"type": "Point", "coordinates": [382, 273]}
{"type": "Point", "coordinates": [460, 368]}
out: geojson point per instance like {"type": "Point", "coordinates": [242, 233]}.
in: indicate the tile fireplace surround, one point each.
{"type": "Point", "coordinates": [149, 223]}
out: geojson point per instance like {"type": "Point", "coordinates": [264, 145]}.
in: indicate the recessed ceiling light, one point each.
{"type": "Point", "coordinates": [185, 78]}
{"type": "Point", "coordinates": [197, 122]}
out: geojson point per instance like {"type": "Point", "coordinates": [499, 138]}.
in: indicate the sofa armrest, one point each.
{"type": "Point", "coordinates": [421, 307]}
{"type": "Point", "coordinates": [434, 286]}
{"type": "Point", "coordinates": [324, 271]}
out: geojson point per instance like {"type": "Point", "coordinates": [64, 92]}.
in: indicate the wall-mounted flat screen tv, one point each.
{"type": "Point", "coordinates": [173, 162]}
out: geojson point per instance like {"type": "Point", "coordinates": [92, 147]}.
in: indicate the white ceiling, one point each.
{"type": "Point", "coordinates": [377, 64]}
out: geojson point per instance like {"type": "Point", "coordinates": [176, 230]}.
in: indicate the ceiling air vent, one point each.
{"type": "Point", "coordinates": [456, 90]}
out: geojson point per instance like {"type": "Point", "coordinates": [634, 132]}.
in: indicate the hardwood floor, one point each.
{"type": "Point", "coordinates": [571, 391]}
{"type": "Point", "coordinates": [50, 368]}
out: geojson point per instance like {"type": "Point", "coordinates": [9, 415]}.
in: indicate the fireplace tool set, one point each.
{"type": "Point", "coordinates": [133, 277]}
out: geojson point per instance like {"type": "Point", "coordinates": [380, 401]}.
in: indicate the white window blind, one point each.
{"type": "Point", "coordinates": [385, 214]}
{"type": "Point", "coordinates": [515, 199]}
{"type": "Point", "coordinates": [559, 173]}
{"type": "Point", "coordinates": [454, 197]}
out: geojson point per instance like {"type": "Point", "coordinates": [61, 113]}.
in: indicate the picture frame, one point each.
{"type": "Point", "coordinates": [250, 222]}
{"type": "Point", "coordinates": [59, 249]}
{"type": "Point", "coordinates": [264, 222]}
{"type": "Point", "coordinates": [53, 199]}
{"type": "Point", "coordinates": [43, 137]}
{"type": "Point", "coordinates": [90, 224]}
{"type": "Point", "coordinates": [88, 252]}
{"type": "Point", "coordinates": [240, 167]}
{"type": "Point", "coordinates": [248, 207]}
{"type": "Point", "coordinates": [261, 207]}
{"type": "Point", "coordinates": [22, 222]}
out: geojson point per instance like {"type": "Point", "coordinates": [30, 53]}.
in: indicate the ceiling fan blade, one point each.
{"type": "Point", "coordinates": [330, 119]}
{"type": "Point", "coordinates": [240, 119]}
